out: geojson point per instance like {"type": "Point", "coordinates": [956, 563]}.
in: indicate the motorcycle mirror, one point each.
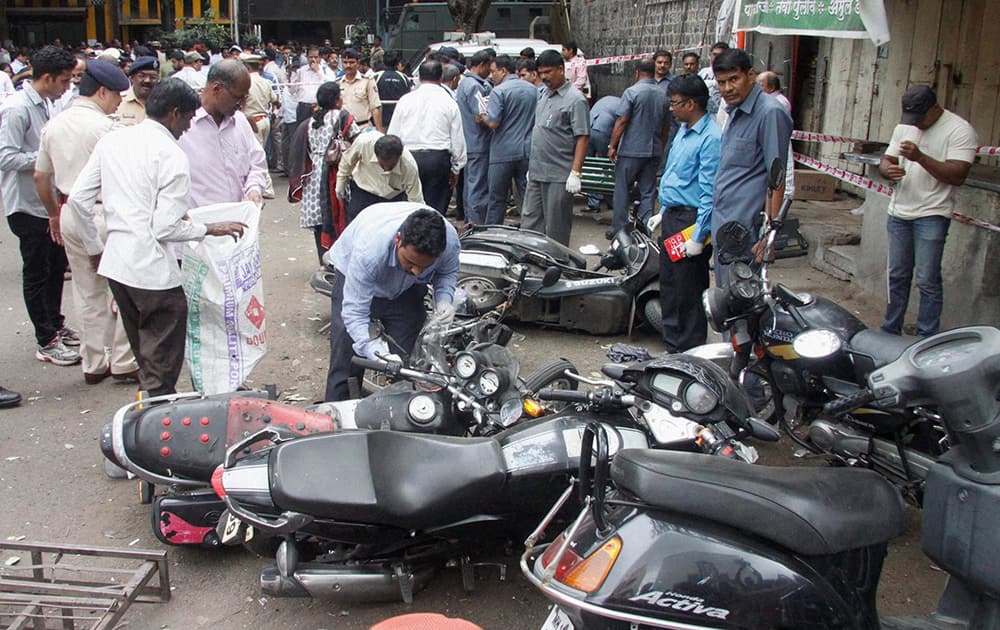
{"type": "Point", "coordinates": [762, 431]}
{"type": "Point", "coordinates": [731, 239]}
{"type": "Point", "coordinates": [589, 250]}
{"type": "Point", "coordinates": [375, 329]}
{"type": "Point", "coordinates": [776, 175]}
{"type": "Point", "coordinates": [552, 275]}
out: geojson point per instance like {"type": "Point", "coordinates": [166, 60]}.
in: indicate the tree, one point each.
{"type": "Point", "coordinates": [468, 14]}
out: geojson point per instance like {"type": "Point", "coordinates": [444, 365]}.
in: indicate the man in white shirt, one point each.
{"type": "Point", "coordinates": [191, 72]}
{"type": "Point", "coordinates": [66, 144]}
{"type": "Point", "coordinates": [708, 76]}
{"type": "Point", "coordinates": [428, 122]}
{"type": "Point", "coordinates": [929, 155]}
{"type": "Point", "coordinates": [142, 176]}
{"type": "Point", "coordinates": [306, 81]}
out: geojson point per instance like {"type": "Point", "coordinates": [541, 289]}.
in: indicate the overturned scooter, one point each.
{"type": "Point", "coordinates": [674, 540]}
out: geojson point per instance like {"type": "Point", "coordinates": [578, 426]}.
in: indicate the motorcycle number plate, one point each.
{"type": "Point", "coordinates": [231, 530]}
{"type": "Point", "coordinates": [557, 620]}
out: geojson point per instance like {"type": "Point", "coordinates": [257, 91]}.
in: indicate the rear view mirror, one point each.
{"type": "Point", "coordinates": [732, 239]}
{"type": "Point", "coordinates": [552, 275]}
{"type": "Point", "coordinates": [776, 175]}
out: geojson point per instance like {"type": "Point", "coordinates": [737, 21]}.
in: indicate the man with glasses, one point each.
{"type": "Point", "coordinates": [637, 143]}
{"type": "Point", "coordinates": [144, 74]}
{"type": "Point", "coordinates": [227, 162]}
{"type": "Point", "coordinates": [686, 191]}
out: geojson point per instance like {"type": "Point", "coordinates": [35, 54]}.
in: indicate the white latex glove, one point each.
{"type": "Point", "coordinates": [653, 223]}
{"type": "Point", "coordinates": [573, 183]}
{"type": "Point", "coordinates": [377, 349]}
{"type": "Point", "coordinates": [392, 358]}
{"type": "Point", "coordinates": [693, 248]}
{"type": "Point", "coordinates": [444, 313]}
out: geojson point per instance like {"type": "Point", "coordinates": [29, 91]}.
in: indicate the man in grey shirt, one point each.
{"type": "Point", "coordinates": [558, 145]}
{"type": "Point", "coordinates": [636, 144]}
{"type": "Point", "coordinates": [758, 133]}
{"type": "Point", "coordinates": [44, 262]}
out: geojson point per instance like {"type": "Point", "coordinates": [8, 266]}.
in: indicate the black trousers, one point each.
{"type": "Point", "coordinates": [681, 285]}
{"type": "Point", "coordinates": [155, 323]}
{"type": "Point", "coordinates": [435, 170]}
{"type": "Point", "coordinates": [402, 318]}
{"type": "Point", "coordinates": [361, 199]}
{"type": "Point", "coordinates": [42, 273]}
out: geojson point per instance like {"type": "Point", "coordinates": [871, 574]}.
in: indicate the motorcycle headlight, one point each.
{"type": "Point", "coordinates": [716, 307]}
{"type": "Point", "coordinates": [816, 344]}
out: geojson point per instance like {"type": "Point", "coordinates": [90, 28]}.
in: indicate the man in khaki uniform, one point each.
{"type": "Point", "coordinates": [360, 94]}
{"type": "Point", "coordinates": [257, 107]}
{"type": "Point", "coordinates": [65, 146]}
{"type": "Point", "coordinates": [144, 73]}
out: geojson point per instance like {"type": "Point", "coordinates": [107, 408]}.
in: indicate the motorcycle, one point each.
{"type": "Point", "coordinates": [372, 514]}
{"type": "Point", "coordinates": [177, 441]}
{"type": "Point", "coordinates": [675, 540]}
{"type": "Point", "coordinates": [602, 301]}
{"type": "Point", "coordinates": [806, 357]}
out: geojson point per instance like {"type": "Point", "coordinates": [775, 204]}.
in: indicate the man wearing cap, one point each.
{"type": "Point", "coordinates": [930, 154]}
{"type": "Point", "coordinates": [191, 72]}
{"type": "Point", "coordinates": [66, 144]}
{"type": "Point", "coordinates": [44, 261]}
{"type": "Point", "coordinates": [227, 162]}
{"type": "Point", "coordinates": [145, 74]}
{"type": "Point", "coordinates": [360, 93]}
{"type": "Point", "coordinates": [257, 107]}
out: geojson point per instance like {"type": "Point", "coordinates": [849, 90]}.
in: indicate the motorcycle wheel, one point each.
{"type": "Point", "coordinates": [552, 374]}
{"type": "Point", "coordinates": [652, 314]}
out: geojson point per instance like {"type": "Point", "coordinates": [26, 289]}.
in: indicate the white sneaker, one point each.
{"type": "Point", "coordinates": [68, 336]}
{"type": "Point", "coordinates": [57, 353]}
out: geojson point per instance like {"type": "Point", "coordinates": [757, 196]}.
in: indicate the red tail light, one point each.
{"type": "Point", "coordinates": [217, 482]}
{"type": "Point", "coordinates": [583, 574]}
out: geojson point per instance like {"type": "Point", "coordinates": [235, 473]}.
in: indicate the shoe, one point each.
{"type": "Point", "coordinates": [127, 377]}
{"type": "Point", "coordinates": [9, 398]}
{"type": "Point", "coordinates": [57, 353]}
{"type": "Point", "coordinates": [93, 378]}
{"type": "Point", "coordinates": [68, 336]}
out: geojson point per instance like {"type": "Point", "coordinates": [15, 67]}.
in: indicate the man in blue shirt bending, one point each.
{"type": "Point", "coordinates": [686, 191]}
{"type": "Point", "coordinates": [384, 260]}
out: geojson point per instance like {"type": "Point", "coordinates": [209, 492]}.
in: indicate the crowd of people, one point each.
{"type": "Point", "coordinates": [353, 132]}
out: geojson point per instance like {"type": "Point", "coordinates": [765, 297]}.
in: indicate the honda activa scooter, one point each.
{"type": "Point", "coordinates": [675, 540]}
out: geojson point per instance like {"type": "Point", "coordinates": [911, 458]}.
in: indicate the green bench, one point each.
{"type": "Point", "coordinates": [597, 176]}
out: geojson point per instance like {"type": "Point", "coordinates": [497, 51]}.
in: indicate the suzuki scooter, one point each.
{"type": "Point", "coordinates": [675, 540]}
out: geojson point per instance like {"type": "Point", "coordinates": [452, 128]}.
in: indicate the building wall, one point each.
{"type": "Point", "coordinates": [618, 27]}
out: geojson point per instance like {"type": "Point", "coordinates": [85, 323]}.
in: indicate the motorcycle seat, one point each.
{"type": "Point", "coordinates": [810, 511]}
{"type": "Point", "coordinates": [881, 347]}
{"type": "Point", "coordinates": [392, 478]}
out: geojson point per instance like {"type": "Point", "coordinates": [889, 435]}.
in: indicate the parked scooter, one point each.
{"type": "Point", "coordinates": [684, 541]}
{"type": "Point", "coordinates": [372, 514]}
{"type": "Point", "coordinates": [807, 357]}
{"type": "Point", "coordinates": [621, 290]}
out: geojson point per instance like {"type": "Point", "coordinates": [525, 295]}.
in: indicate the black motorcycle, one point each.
{"type": "Point", "coordinates": [371, 514]}
{"type": "Point", "coordinates": [805, 359]}
{"type": "Point", "coordinates": [675, 540]}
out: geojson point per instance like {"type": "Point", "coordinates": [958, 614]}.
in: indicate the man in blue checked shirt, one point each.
{"type": "Point", "coordinates": [385, 260]}
{"type": "Point", "coordinates": [686, 191]}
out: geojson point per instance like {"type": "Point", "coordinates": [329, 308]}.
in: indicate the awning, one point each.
{"type": "Point", "coordinates": [853, 19]}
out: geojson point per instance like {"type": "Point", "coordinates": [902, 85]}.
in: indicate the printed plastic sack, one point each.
{"type": "Point", "coordinates": [226, 331]}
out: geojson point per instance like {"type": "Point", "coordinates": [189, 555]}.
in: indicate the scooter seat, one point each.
{"type": "Point", "coordinates": [881, 347]}
{"type": "Point", "coordinates": [810, 511]}
{"type": "Point", "coordinates": [406, 480]}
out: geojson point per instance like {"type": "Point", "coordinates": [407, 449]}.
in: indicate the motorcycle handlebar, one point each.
{"type": "Point", "coordinates": [370, 364]}
{"type": "Point", "coordinates": [568, 395]}
{"type": "Point", "coordinates": [848, 403]}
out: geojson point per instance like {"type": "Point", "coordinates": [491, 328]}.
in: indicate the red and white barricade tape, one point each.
{"type": "Point", "coordinates": [810, 136]}
{"type": "Point", "coordinates": [882, 189]}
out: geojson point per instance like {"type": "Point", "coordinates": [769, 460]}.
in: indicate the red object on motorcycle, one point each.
{"type": "Point", "coordinates": [217, 482]}
{"type": "Point", "coordinates": [253, 414]}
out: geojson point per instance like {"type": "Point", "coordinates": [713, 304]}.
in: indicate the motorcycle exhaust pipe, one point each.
{"type": "Point", "coordinates": [837, 438]}
{"type": "Point", "coordinates": [343, 583]}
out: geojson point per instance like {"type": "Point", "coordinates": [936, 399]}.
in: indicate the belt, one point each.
{"type": "Point", "coordinates": [362, 122]}
{"type": "Point", "coordinates": [681, 208]}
